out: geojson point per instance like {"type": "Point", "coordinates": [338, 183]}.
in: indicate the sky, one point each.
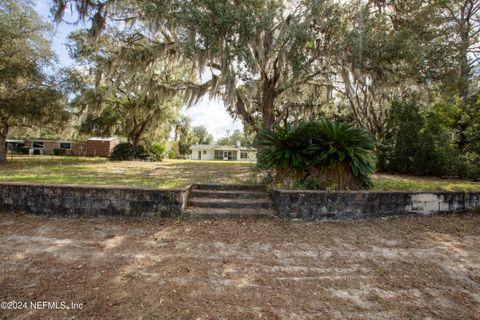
{"type": "Point", "coordinates": [209, 113]}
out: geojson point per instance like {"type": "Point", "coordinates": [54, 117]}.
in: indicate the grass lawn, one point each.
{"type": "Point", "coordinates": [99, 171]}
{"type": "Point", "coordinates": [175, 173]}
{"type": "Point", "coordinates": [405, 182]}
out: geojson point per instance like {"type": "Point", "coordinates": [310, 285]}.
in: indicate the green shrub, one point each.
{"type": "Point", "coordinates": [463, 165]}
{"type": "Point", "coordinates": [471, 165]}
{"type": "Point", "coordinates": [440, 140]}
{"type": "Point", "coordinates": [406, 148]}
{"type": "Point", "coordinates": [23, 150]}
{"type": "Point", "coordinates": [156, 151]}
{"type": "Point", "coordinates": [124, 152]}
{"type": "Point", "coordinates": [319, 155]}
{"type": "Point", "coordinates": [59, 152]}
{"type": "Point", "coordinates": [311, 183]}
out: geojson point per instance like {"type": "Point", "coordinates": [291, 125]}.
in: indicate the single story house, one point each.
{"type": "Point", "coordinates": [13, 144]}
{"type": "Point", "coordinates": [220, 152]}
{"type": "Point", "coordinates": [101, 147]}
{"type": "Point", "coordinates": [40, 146]}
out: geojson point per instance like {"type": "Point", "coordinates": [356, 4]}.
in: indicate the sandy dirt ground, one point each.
{"type": "Point", "coordinates": [396, 268]}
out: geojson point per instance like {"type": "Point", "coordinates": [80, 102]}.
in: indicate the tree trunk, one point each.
{"type": "Point", "coordinates": [3, 140]}
{"type": "Point", "coordinates": [464, 85]}
{"type": "Point", "coordinates": [464, 81]}
{"type": "Point", "coordinates": [136, 134]}
{"type": "Point", "coordinates": [3, 149]}
{"type": "Point", "coordinates": [135, 141]}
{"type": "Point", "coordinates": [465, 73]}
{"type": "Point", "coordinates": [268, 100]}
{"type": "Point", "coordinates": [242, 111]}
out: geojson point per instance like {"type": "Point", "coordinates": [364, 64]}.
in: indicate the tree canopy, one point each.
{"type": "Point", "coordinates": [29, 97]}
{"type": "Point", "coordinates": [274, 60]}
{"type": "Point", "coordinates": [273, 63]}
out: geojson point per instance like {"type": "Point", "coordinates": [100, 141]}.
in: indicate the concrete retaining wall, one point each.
{"type": "Point", "coordinates": [309, 205]}
{"type": "Point", "coordinates": [91, 200]}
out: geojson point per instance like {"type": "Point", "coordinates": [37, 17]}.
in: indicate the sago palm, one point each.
{"type": "Point", "coordinates": [341, 153]}
{"type": "Point", "coordinates": [284, 149]}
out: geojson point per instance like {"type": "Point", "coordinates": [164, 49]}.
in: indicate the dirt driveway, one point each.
{"type": "Point", "coordinates": [398, 268]}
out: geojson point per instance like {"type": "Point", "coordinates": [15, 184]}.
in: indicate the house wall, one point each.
{"type": "Point", "coordinates": [210, 154]}
{"type": "Point", "coordinates": [48, 146]}
{"type": "Point", "coordinates": [76, 148]}
{"type": "Point", "coordinates": [251, 156]}
{"type": "Point", "coordinates": [101, 148]}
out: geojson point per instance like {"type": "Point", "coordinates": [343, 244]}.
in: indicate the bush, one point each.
{"type": "Point", "coordinates": [320, 155]}
{"type": "Point", "coordinates": [432, 141]}
{"type": "Point", "coordinates": [156, 151]}
{"type": "Point", "coordinates": [471, 165]}
{"type": "Point", "coordinates": [59, 152]}
{"type": "Point", "coordinates": [312, 183]}
{"type": "Point", "coordinates": [124, 152]}
{"type": "Point", "coordinates": [463, 165]}
{"type": "Point", "coordinates": [406, 148]}
{"type": "Point", "coordinates": [23, 150]}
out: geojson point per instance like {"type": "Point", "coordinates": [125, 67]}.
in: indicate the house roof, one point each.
{"type": "Point", "coordinates": [44, 139]}
{"type": "Point", "coordinates": [203, 146]}
{"type": "Point", "coordinates": [220, 147]}
{"type": "Point", "coordinates": [102, 138]}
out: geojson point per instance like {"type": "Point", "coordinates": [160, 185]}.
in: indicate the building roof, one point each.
{"type": "Point", "coordinates": [219, 147]}
{"type": "Point", "coordinates": [102, 138]}
{"type": "Point", "coordinates": [44, 139]}
{"type": "Point", "coordinates": [203, 146]}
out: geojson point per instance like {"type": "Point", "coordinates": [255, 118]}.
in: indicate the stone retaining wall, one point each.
{"type": "Point", "coordinates": [91, 200]}
{"type": "Point", "coordinates": [310, 205]}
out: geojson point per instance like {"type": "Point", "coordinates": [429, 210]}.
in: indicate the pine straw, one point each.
{"type": "Point", "coordinates": [399, 268]}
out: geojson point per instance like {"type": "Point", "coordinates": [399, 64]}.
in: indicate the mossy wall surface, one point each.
{"type": "Point", "coordinates": [312, 205]}
{"type": "Point", "coordinates": [91, 200]}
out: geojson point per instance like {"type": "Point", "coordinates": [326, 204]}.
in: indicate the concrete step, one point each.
{"type": "Point", "coordinates": [229, 187]}
{"type": "Point", "coordinates": [228, 213]}
{"type": "Point", "coordinates": [228, 203]}
{"type": "Point", "coordinates": [229, 194]}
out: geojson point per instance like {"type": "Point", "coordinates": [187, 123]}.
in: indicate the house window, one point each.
{"type": "Point", "coordinates": [243, 155]}
{"type": "Point", "coordinates": [37, 144]}
{"type": "Point", "coordinates": [66, 146]}
{"type": "Point", "coordinates": [204, 151]}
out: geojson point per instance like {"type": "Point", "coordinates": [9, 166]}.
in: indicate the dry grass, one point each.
{"type": "Point", "coordinates": [406, 182]}
{"type": "Point", "coordinates": [176, 173]}
{"type": "Point", "coordinates": [99, 171]}
{"type": "Point", "coordinates": [399, 268]}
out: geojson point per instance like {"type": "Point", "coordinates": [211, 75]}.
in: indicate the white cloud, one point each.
{"type": "Point", "coordinates": [213, 115]}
